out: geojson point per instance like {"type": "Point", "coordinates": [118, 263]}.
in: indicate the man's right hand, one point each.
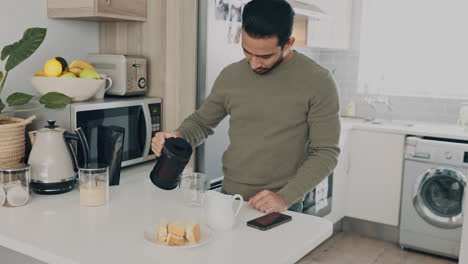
{"type": "Point", "coordinates": [158, 140]}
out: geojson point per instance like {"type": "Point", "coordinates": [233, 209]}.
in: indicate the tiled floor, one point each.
{"type": "Point", "coordinates": [348, 248]}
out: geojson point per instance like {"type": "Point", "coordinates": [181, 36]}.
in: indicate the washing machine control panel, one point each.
{"type": "Point", "coordinates": [465, 157]}
{"type": "Point", "coordinates": [453, 152]}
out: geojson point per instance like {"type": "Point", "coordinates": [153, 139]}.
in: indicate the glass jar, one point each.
{"type": "Point", "coordinates": [94, 185]}
{"type": "Point", "coordinates": [14, 185]}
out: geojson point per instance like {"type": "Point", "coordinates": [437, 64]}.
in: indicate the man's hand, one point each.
{"type": "Point", "coordinates": [158, 140]}
{"type": "Point", "coordinates": [268, 202]}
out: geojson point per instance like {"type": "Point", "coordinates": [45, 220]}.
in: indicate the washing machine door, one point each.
{"type": "Point", "coordinates": [438, 197]}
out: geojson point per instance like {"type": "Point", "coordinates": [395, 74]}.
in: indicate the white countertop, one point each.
{"type": "Point", "coordinates": [401, 127]}
{"type": "Point", "coordinates": [56, 229]}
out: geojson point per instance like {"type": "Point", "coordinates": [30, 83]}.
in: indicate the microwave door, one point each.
{"type": "Point", "coordinates": [131, 118]}
{"type": "Point", "coordinates": [147, 126]}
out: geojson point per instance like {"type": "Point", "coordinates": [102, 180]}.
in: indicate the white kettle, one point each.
{"type": "Point", "coordinates": [53, 159]}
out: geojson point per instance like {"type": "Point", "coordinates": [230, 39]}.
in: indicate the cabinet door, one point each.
{"type": "Point", "coordinates": [340, 178]}
{"type": "Point", "coordinates": [375, 176]}
{"type": "Point", "coordinates": [134, 10]}
{"type": "Point", "coordinates": [332, 30]}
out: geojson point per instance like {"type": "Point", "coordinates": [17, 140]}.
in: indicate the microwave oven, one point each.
{"type": "Point", "coordinates": [141, 117]}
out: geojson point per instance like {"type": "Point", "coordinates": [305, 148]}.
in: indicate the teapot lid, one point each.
{"type": "Point", "coordinates": [51, 127]}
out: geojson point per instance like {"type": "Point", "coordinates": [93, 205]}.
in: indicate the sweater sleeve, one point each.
{"type": "Point", "coordinates": [323, 145]}
{"type": "Point", "coordinates": [199, 125]}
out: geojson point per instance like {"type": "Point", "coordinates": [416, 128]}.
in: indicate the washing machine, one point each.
{"type": "Point", "coordinates": [434, 180]}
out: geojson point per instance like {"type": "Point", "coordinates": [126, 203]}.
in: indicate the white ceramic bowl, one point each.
{"type": "Point", "coordinates": [79, 89]}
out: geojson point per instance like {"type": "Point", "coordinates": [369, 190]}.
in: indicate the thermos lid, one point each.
{"type": "Point", "coordinates": [178, 147]}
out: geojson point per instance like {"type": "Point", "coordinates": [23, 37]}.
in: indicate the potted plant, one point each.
{"type": "Point", "coordinates": [12, 130]}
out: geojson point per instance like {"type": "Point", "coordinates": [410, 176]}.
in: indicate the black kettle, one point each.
{"type": "Point", "coordinates": [174, 157]}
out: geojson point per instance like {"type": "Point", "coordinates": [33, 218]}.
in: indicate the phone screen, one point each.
{"type": "Point", "coordinates": [269, 221]}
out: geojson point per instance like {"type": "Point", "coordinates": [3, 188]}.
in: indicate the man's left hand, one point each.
{"type": "Point", "coordinates": [268, 202]}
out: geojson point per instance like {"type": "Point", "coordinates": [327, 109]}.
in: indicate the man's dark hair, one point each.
{"type": "Point", "coordinates": [266, 18]}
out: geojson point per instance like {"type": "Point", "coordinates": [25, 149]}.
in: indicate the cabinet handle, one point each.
{"type": "Point", "coordinates": [108, 2]}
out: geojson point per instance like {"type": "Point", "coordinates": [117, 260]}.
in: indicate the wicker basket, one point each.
{"type": "Point", "coordinates": [12, 144]}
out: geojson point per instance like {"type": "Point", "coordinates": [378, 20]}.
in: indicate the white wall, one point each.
{"type": "Point", "coordinates": [65, 38]}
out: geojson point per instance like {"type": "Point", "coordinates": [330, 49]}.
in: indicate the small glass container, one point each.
{"type": "Point", "coordinates": [94, 185]}
{"type": "Point", "coordinates": [14, 185]}
{"type": "Point", "coordinates": [193, 187]}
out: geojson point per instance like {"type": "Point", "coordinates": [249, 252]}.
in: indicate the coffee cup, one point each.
{"type": "Point", "coordinates": [103, 89]}
{"type": "Point", "coordinates": [220, 211]}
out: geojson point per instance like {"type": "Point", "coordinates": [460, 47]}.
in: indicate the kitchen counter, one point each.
{"type": "Point", "coordinates": [56, 229]}
{"type": "Point", "coordinates": [408, 127]}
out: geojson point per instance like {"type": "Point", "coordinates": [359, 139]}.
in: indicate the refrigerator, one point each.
{"type": "Point", "coordinates": [219, 28]}
{"type": "Point", "coordinates": [218, 46]}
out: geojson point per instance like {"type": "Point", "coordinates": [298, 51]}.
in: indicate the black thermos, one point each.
{"type": "Point", "coordinates": [174, 156]}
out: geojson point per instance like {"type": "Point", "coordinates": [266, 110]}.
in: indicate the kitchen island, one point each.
{"type": "Point", "coordinates": [56, 229]}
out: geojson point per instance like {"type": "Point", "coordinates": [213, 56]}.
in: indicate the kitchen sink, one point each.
{"type": "Point", "coordinates": [377, 122]}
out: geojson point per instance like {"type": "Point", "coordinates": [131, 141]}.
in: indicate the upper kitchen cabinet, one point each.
{"type": "Point", "coordinates": [98, 10]}
{"type": "Point", "coordinates": [322, 23]}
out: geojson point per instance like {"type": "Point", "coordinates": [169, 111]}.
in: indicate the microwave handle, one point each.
{"type": "Point", "coordinates": [148, 126]}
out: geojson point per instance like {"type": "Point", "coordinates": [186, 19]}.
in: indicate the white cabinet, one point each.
{"type": "Point", "coordinates": [328, 26]}
{"type": "Point", "coordinates": [98, 10]}
{"type": "Point", "coordinates": [340, 177]}
{"type": "Point", "coordinates": [375, 176]}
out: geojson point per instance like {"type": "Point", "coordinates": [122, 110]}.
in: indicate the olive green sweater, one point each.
{"type": "Point", "coordinates": [284, 127]}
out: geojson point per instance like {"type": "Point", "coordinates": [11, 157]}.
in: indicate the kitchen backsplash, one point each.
{"type": "Point", "coordinates": [344, 65]}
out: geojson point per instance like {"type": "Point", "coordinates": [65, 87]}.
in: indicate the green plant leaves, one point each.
{"type": "Point", "coordinates": [18, 99]}
{"type": "Point", "coordinates": [1, 76]}
{"type": "Point", "coordinates": [2, 105]}
{"type": "Point", "coordinates": [24, 48]}
{"type": "Point", "coordinates": [55, 100]}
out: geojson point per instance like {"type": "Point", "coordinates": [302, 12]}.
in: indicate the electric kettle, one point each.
{"type": "Point", "coordinates": [53, 159]}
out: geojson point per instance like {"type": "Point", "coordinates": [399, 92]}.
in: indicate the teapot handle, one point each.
{"type": "Point", "coordinates": [81, 140]}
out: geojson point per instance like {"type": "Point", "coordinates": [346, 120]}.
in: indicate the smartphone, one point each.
{"type": "Point", "coordinates": [269, 221]}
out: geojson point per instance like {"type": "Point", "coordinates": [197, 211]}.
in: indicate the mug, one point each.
{"type": "Point", "coordinates": [220, 212]}
{"type": "Point", "coordinates": [102, 90]}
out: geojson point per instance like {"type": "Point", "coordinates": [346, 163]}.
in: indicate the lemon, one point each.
{"type": "Point", "coordinates": [53, 68]}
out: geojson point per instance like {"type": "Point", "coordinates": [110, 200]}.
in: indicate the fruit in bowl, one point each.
{"type": "Point", "coordinates": [78, 80]}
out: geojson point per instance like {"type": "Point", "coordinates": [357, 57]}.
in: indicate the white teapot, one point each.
{"type": "Point", "coordinates": [220, 211]}
{"type": "Point", "coordinates": [53, 159]}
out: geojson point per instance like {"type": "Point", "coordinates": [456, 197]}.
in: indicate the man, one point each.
{"type": "Point", "coordinates": [284, 126]}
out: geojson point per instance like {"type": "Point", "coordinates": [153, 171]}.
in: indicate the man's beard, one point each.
{"type": "Point", "coordinates": [278, 62]}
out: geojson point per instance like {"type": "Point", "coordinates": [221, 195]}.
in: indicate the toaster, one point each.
{"type": "Point", "coordinates": [128, 73]}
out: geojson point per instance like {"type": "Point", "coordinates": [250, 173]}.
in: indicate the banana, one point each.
{"type": "Point", "coordinates": [76, 71]}
{"type": "Point", "coordinates": [40, 73]}
{"type": "Point", "coordinates": [80, 64]}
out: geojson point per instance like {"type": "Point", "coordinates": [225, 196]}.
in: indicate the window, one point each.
{"type": "Point", "coordinates": [414, 48]}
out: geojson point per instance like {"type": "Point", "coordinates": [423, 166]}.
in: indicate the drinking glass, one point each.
{"type": "Point", "coordinates": [193, 187]}
{"type": "Point", "coordinates": [94, 185]}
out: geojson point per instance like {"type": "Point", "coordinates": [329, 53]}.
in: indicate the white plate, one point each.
{"type": "Point", "coordinates": [150, 234]}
